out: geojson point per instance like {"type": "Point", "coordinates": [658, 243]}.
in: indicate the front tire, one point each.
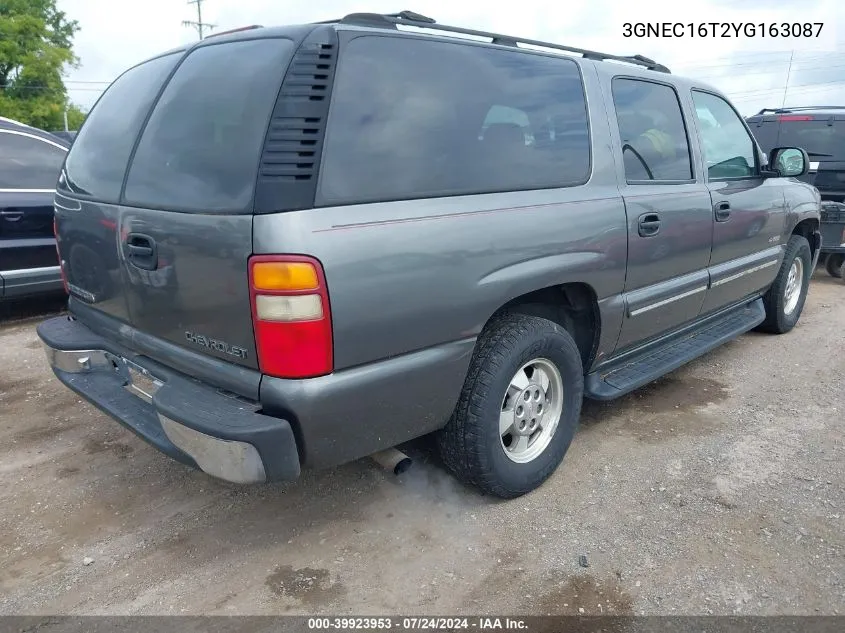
{"type": "Point", "coordinates": [519, 407]}
{"type": "Point", "coordinates": [784, 301]}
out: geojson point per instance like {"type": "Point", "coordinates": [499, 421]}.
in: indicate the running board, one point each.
{"type": "Point", "coordinates": [634, 371]}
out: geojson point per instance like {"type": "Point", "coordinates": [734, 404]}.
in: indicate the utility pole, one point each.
{"type": "Point", "coordinates": [199, 25]}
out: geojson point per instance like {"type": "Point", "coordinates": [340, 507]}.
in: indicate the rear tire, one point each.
{"type": "Point", "coordinates": [833, 264]}
{"type": "Point", "coordinates": [784, 301]}
{"type": "Point", "coordinates": [499, 439]}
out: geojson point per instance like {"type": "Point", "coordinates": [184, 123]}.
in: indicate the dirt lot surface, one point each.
{"type": "Point", "coordinates": [719, 489]}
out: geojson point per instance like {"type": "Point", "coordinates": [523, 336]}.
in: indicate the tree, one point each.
{"type": "Point", "coordinates": [36, 45]}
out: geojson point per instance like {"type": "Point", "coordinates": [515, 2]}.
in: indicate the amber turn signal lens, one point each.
{"type": "Point", "coordinates": [283, 276]}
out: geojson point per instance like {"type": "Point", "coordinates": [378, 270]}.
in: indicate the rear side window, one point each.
{"type": "Point", "coordinates": [652, 131]}
{"type": "Point", "coordinates": [28, 163]}
{"type": "Point", "coordinates": [413, 118]}
{"type": "Point", "coordinates": [201, 148]}
{"type": "Point", "coordinates": [96, 164]}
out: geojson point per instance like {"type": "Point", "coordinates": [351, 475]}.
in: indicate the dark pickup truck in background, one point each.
{"type": "Point", "coordinates": [30, 160]}
{"type": "Point", "coordinates": [821, 131]}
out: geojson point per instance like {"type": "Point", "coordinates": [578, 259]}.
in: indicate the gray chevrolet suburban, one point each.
{"type": "Point", "coordinates": [294, 247]}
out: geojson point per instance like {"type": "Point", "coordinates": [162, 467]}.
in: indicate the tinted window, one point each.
{"type": "Point", "coordinates": [816, 137]}
{"type": "Point", "coordinates": [729, 150]}
{"type": "Point", "coordinates": [415, 118]}
{"type": "Point", "coordinates": [651, 127]}
{"type": "Point", "coordinates": [97, 161]}
{"type": "Point", "coordinates": [28, 163]}
{"type": "Point", "coordinates": [201, 147]}
{"type": "Point", "coordinates": [766, 134]}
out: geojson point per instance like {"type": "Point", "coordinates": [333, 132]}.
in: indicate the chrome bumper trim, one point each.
{"type": "Point", "coordinates": [237, 462]}
{"type": "Point", "coordinates": [78, 361]}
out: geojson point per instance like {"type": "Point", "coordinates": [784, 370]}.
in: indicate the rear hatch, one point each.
{"type": "Point", "coordinates": [154, 206]}
{"type": "Point", "coordinates": [821, 135]}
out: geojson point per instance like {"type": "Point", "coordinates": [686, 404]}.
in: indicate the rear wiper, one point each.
{"type": "Point", "coordinates": [817, 154]}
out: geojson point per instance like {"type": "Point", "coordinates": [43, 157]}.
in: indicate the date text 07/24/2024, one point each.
{"type": "Point", "coordinates": [416, 623]}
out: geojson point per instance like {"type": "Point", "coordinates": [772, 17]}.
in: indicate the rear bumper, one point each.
{"type": "Point", "coordinates": [30, 281]}
{"type": "Point", "coordinates": [224, 436]}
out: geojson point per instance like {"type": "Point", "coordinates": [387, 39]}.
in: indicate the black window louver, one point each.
{"type": "Point", "coordinates": [287, 176]}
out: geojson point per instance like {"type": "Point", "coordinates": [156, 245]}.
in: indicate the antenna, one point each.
{"type": "Point", "coordinates": [199, 25]}
{"type": "Point", "coordinates": [788, 75]}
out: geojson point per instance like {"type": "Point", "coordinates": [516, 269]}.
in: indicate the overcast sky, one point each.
{"type": "Point", "coordinates": [116, 34]}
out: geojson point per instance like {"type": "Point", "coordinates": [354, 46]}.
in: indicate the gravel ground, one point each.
{"type": "Point", "coordinates": [719, 489]}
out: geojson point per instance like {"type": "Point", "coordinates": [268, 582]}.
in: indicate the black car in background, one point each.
{"type": "Point", "coordinates": [820, 130]}
{"type": "Point", "coordinates": [30, 160]}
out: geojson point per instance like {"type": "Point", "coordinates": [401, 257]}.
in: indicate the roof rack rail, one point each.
{"type": "Point", "coordinates": [410, 18]}
{"type": "Point", "coordinates": [799, 109]}
{"type": "Point", "coordinates": [237, 30]}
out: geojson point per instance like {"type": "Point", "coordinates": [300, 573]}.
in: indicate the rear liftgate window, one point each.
{"type": "Point", "coordinates": [201, 147]}
{"type": "Point", "coordinates": [823, 137]}
{"type": "Point", "coordinates": [97, 161]}
{"type": "Point", "coordinates": [417, 118]}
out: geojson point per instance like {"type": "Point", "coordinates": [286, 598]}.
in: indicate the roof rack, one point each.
{"type": "Point", "coordinates": [237, 30]}
{"type": "Point", "coordinates": [410, 18]}
{"type": "Point", "coordinates": [798, 109]}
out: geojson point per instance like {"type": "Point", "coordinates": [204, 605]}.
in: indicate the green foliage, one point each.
{"type": "Point", "coordinates": [75, 117]}
{"type": "Point", "coordinates": [36, 45]}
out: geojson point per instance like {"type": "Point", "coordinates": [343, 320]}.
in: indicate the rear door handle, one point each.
{"type": "Point", "coordinates": [142, 251]}
{"type": "Point", "coordinates": [648, 224]}
{"type": "Point", "coordinates": [11, 215]}
{"type": "Point", "coordinates": [722, 211]}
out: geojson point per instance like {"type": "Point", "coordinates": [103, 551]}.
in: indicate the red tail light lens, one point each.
{"type": "Point", "coordinates": [795, 117]}
{"type": "Point", "coordinates": [59, 255]}
{"type": "Point", "coordinates": [291, 316]}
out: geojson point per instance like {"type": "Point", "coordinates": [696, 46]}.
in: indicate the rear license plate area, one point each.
{"type": "Point", "coordinates": [139, 382]}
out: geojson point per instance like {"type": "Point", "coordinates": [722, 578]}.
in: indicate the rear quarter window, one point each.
{"type": "Point", "coordinates": [201, 147]}
{"type": "Point", "coordinates": [97, 161]}
{"type": "Point", "coordinates": [414, 118]}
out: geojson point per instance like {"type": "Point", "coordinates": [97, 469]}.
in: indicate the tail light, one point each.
{"type": "Point", "coordinates": [795, 117]}
{"type": "Point", "coordinates": [59, 255]}
{"type": "Point", "coordinates": [291, 316]}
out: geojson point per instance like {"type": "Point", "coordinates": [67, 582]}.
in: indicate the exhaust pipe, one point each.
{"type": "Point", "coordinates": [393, 460]}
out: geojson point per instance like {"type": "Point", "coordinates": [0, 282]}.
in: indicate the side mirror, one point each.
{"type": "Point", "coordinates": [789, 162]}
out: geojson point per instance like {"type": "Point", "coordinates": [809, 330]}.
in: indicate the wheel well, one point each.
{"type": "Point", "coordinates": [572, 306]}
{"type": "Point", "coordinates": [806, 228]}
